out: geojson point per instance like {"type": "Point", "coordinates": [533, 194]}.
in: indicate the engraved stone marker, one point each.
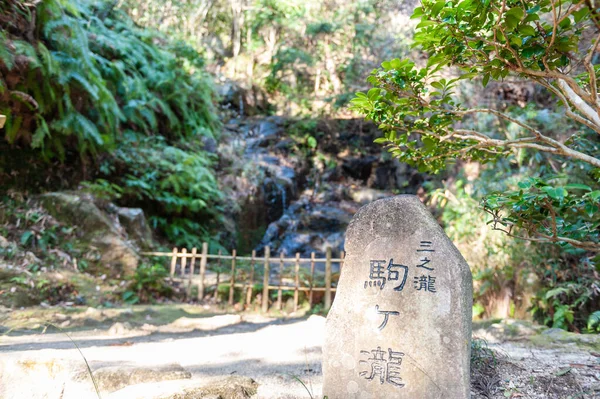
{"type": "Point", "coordinates": [400, 324]}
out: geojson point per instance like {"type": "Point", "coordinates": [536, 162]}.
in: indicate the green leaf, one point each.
{"type": "Point", "coordinates": [578, 187]}
{"type": "Point", "coordinates": [417, 13]}
{"type": "Point", "coordinates": [516, 12]}
{"type": "Point", "coordinates": [593, 322]}
{"type": "Point", "coordinates": [486, 79]}
{"type": "Point", "coordinates": [511, 22]}
{"type": "Point", "coordinates": [594, 195]}
{"type": "Point", "coordinates": [425, 23]}
{"type": "Point", "coordinates": [580, 14]}
{"type": "Point", "coordinates": [525, 184]}
{"type": "Point", "coordinates": [557, 193]}
{"type": "Point", "coordinates": [555, 292]}
{"type": "Point", "coordinates": [527, 30]}
{"type": "Point", "coordinates": [25, 237]}
{"type": "Point", "coordinates": [437, 7]}
{"type": "Point", "coordinates": [428, 143]}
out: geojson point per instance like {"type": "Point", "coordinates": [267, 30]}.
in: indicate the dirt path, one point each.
{"type": "Point", "coordinates": [277, 353]}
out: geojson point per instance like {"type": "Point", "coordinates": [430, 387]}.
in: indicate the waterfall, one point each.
{"type": "Point", "coordinates": [283, 193]}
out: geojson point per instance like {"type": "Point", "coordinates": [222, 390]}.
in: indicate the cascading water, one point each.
{"type": "Point", "coordinates": [281, 189]}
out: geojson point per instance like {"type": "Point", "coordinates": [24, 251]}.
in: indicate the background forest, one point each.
{"type": "Point", "coordinates": [131, 103]}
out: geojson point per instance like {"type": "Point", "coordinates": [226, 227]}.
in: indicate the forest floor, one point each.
{"type": "Point", "coordinates": [284, 354]}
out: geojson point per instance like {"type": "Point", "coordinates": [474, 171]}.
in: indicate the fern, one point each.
{"type": "Point", "coordinates": [593, 324]}
{"type": "Point", "coordinates": [104, 63]}
{"type": "Point", "coordinates": [104, 86]}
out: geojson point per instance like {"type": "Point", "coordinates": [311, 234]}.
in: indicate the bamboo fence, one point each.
{"type": "Point", "coordinates": [183, 268]}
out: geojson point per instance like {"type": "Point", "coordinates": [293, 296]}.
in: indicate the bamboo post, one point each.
{"type": "Point", "coordinates": [216, 296]}
{"type": "Point", "coordinates": [279, 290]}
{"type": "Point", "coordinates": [232, 278]}
{"type": "Point", "coordinates": [297, 282]}
{"type": "Point", "coordinates": [312, 277]}
{"type": "Point", "coordinates": [183, 261]}
{"type": "Point", "coordinates": [173, 262]}
{"type": "Point", "coordinates": [192, 265]}
{"type": "Point", "coordinates": [328, 279]}
{"type": "Point", "coordinates": [265, 295]}
{"type": "Point", "coordinates": [203, 260]}
{"type": "Point", "coordinates": [251, 281]}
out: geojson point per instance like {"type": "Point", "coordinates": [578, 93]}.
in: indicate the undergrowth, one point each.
{"type": "Point", "coordinates": [81, 83]}
{"type": "Point", "coordinates": [76, 73]}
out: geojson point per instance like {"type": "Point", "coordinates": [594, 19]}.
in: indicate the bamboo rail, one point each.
{"type": "Point", "coordinates": [244, 279]}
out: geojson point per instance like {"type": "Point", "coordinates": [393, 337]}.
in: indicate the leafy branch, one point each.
{"type": "Point", "coordinates": [426, 125]}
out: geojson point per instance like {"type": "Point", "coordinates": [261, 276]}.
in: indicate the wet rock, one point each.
{"type": "Point", "coordinates": [359, 168]}
{"type": "Point", "coordinates": [247, 101]}
{"type": "Point", "coordinates": [325, 218]}
{"type": "Point", "coordinates": [210, 145]}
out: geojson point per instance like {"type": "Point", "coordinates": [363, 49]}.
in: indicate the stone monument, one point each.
{"type": "Point", "coordinates": [400, 324]}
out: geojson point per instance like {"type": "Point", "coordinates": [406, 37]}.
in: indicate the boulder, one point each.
{"type": "Point", "coordinates": [97, 229]}
{"type": "Point", "coordinates": [76, 210]}
{"type": "Point", "coordinates": [247, 101]}
{"type": "Point", "coordinates": [325, 218]}
{"type": "Point", "coordinates": [134, 222]}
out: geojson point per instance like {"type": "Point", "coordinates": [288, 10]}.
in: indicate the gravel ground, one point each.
{"type": "Point", "coordinates": [279, 354]}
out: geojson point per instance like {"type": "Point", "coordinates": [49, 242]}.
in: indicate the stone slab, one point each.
{"type": "Point", "coordinates": [400, 325]}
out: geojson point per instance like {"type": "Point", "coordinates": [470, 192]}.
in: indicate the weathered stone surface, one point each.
{"type": "Point", "coordinates": [94, 227]}
{"type": "Point", "coordinates": [111, 379]}
{"type": "Point", "coordinates": [422, 349]}
{"type": "Point", "coordinates": [134, 222]}
{"type": "Point", "coordinates": [234, 387]}
{"type": "Point", "coordinates": [75, 210]}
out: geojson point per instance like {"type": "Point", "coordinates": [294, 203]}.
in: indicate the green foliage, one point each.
{"type": "Point", "coordinates": [556, 284]}
{"type": "Point", "coordinates": [93, 73]}
{"type": "Point", "coordinates": [426, 124]}
{"type": "Point", "coordinates": [569, 295]}
{"type": "Point", "coordinates": [304, 53]}
{"type": "Point", "coordinates": [147, 284]}
{"type": "Point", "coordinates": [548, 209]}
{"type": "Point", "coordinates": [594, 322]}
{"type": "Point", "coordinates": [95, 83]}
{"type": "Point", "coordinates": [174, 183]}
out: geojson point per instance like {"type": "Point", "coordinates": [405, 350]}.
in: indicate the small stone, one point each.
{"type": "Point", "coordinates": [119, 328]}
{"type": "Point", "coordinates": [400, 325]}
{"type": "Point", "coordinates": [4, 243]}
